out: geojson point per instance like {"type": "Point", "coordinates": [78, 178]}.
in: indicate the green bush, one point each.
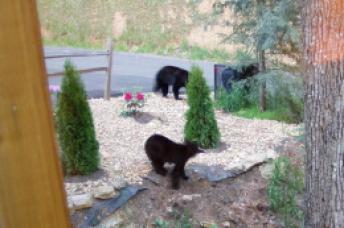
{"type": "Point", "coordinates": [284, 97]}
{"type": "Point", "coordinates": [201, 125]}
{"type": "Point", "coordinates": [75, 128]}
{"type": "Point", "coordinates": [286, 182]}
{"type": "Point", "coordinates": [244, 94]}
{"type": "Point", "coordinates": [285, 94]}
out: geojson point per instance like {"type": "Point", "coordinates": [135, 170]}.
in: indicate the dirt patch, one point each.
{"type": "Point", "coordinates": [234, 202]}
{"type": "Point", "coordinates": [241, 202]}
{"type": "Point", "coordinates": [119, 24]}
{"type": "Point", "coordinates": [98, 175]}
{"type": "Point", "coordinates": [214, 37]}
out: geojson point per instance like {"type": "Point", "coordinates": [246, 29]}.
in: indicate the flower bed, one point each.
{"type": "Point", "coordinates": [244, 142]}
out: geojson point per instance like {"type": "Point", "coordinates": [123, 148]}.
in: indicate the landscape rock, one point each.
{"type": "Point", "coordinates": [188, 198]}
{"type": "Point", "coordinates": [70, 205]}
{"type": "Point", "coordinates": [104, 192]}
{"type": "Point", "coordinates": [266, 170]}
{"type": "Point", "coordinates": [119, 183]}
{"type": "Point", "coordinates": [169, 210]}
{"type": "Point", "coordinates": [207, 225]}
{"type": "Point", "coordinates": [226, 224]}
{"type": "Point", "coordinates": [81, 201]}
{"type": "Point", "coordinates": [111, 222]}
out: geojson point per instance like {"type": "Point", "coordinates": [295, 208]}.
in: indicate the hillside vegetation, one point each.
{"type": "Point", "coordinates": [180, 27]}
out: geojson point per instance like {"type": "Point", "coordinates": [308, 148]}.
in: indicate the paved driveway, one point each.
{"type": "Point", "coordinates": [129, 70]}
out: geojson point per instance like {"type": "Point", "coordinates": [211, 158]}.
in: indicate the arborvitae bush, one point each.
{"type": "Point", "coordinates": [201, 125]}
{"type": "Point", "coordinates": [75, 127]}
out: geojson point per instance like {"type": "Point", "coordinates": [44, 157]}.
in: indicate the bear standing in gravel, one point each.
{"type": "Point", "coordinates": [171, 75]}
{"type": "Point", "coordinates": [160, 150]}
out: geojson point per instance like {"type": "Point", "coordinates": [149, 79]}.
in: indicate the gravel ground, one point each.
{"type": "Point", "coordinates": [244, 142]}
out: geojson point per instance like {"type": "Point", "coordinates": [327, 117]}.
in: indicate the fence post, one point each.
{"type": "Point", "coordinates": [31, 185]}
{"type": "Point", "coordinates": [107, 90]}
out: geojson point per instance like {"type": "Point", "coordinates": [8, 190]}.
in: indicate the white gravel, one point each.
{"type": "Point", "coordinates": [122, 139]}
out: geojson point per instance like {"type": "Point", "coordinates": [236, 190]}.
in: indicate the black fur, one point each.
{"type": "Point", "coordinates": [230, 74]}
{"type": "Point", "coordinates": [160, 150]}
{"type": "Point", "coordinates": [171, 75]}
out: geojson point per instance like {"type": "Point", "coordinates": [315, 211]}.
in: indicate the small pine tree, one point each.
{"type": "Point", "coordinates": [201, 125]}
{"type": "Point", "coordinates": [75, 127]}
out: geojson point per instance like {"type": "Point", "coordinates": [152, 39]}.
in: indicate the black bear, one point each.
{"type": "Point", "coordinates": [171, 75]}
{"type": "Point", "coordinates": [230, 74]}
{"type": "Point", "coordinates": [160, 150]}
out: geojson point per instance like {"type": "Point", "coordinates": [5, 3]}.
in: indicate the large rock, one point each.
{"type": "Point", "coordinates": [119, 183]}
{"type": "Point", "coordinates": [104, 192]}
{"type": "Point", "coordinates": [80, 201]}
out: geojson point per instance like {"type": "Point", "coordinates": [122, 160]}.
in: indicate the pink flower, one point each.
{"type": "Point", "coordinates": [127, 96]}
{"type": "Point", "coordinates": [54, 88]}
{"type": "Point", "coordinates": [140, 96]}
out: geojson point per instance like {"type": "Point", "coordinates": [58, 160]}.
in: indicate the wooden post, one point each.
{"type": "Point", "coordinates": [107, 90]}
{"type": "Point", "coordinates": [31, 186]}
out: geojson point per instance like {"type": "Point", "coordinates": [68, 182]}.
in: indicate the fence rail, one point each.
{"type": "Point", "coordinates": [107, 69]}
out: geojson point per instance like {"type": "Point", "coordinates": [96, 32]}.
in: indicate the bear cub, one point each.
{"type": "Point", "coordinates": [171, 75]}
{"type": "Point", "coordinates": [160, 150]}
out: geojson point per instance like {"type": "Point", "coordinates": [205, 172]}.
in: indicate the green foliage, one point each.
{"type": "Point", "coordinates": [233, 101]}
{"type": "Point", "coordinates": [285, 183]}
{"type": "Point", "coordinates": [266, 25]}
{"type": "Point", "coordinates": [201, 125]}
{"type": "Point", "coordinates": [284, 97]}
{"type": "Point", "coordinates": [160, 223]}
{"type": "Point", "coordinates": [87, 24]}
{"type": "Point", "coordinates": [72, 23]}
{"type": "Point", "coordinates": [182, 220]}
{"type": "Point", "coordinates": [75, 128]}
{"type": "Point", "coordinates": [243, 58]}
{"type": "Point", "coordinates": [253, 112]}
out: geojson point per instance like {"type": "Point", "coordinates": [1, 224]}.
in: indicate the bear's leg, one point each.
{"type": "Point", "coordinates": [176, 174]}
{"type": "Point", "coordinates": [159, 167]}
{"type": "Point", "coordinates": [164, 88]}
{"type": "Point", "coordinates": [176, 92]}
{"type": "Point", "coordinates": [184, 176]}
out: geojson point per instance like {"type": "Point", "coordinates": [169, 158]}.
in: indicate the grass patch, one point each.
{"type": "Point", "coordinates": [254, 113]}
{"type": "Point", "coordinates": [286, 182]}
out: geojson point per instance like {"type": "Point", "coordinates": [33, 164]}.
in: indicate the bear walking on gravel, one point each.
{"type": "Point", "coordinates": [160, 150]}
{"type": "Point", "coordinates": [171, 75]}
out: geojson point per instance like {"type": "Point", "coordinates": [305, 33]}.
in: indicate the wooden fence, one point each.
{"type": "Point", "coordinates": [107, 69]}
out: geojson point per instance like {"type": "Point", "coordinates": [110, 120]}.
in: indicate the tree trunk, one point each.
{"type": "Point", "coordinates": [262, 91]}
{"type": "Point", "coordinates": [261, 60]}
{"type": "Point", "coordinates": [323, 32]}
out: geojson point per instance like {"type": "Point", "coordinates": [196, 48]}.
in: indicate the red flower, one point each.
{"type": "Point", "coordinates": [127, 96]}
{"type": "Point", "coordinates": [140, 96]}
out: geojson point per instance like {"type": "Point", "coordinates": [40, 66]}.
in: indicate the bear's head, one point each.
{"type": "Point", "coordinates": [192, 148]}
